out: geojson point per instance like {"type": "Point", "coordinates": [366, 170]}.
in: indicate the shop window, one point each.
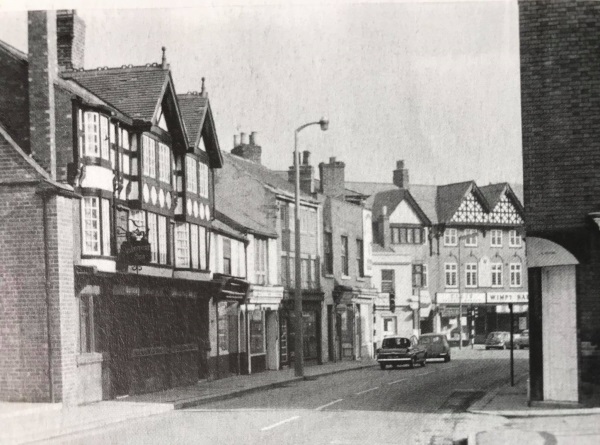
{"type": "Point", "coordinates": [223, 328]}
{"type": "Point", "coordinates": [497, 275]}
{"type": "Point", "coordinates": [471, 275]}
{"type": "Point", "coordinates": [345, 263]}
{"type": "Point", "coordinates": [450, 237]}
{"type": "Point", "coordinates": [257, 332]}
{"type": "Point", "coordinates": [86, 324]}
{"type": "Point", "coordinates": [450, 272]}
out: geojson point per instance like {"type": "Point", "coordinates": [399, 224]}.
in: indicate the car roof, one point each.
{"type": "Point", "coordinates": [431, 334]}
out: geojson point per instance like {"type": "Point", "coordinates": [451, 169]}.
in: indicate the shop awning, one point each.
{"type": "Point", "coordinates": [545, 253]}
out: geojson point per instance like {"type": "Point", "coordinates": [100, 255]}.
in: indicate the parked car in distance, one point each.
{"type": "Point", "coordinates": [436, 346]}
{"type": "Point", "coordinates": [401, 351]}
{"type": "Point", "coordinates": [498, 340]}
{"type": "Point", "coordinates": [522, 341]}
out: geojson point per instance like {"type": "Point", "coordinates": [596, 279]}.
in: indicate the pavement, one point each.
{"type": "Point", "coordinates": [526, 424]}
{"type": "Point", "coordinates": [22, 423]}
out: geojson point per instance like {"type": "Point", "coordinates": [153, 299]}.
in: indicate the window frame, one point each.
{"type": "Point", "coordinates": [451, 271]}
{"type": "Point", "coordinates": [388, 285]}
{"type": "Point", "coordinates": [360, 252]}
{"type": "Point", "coordinates": [344, 253]}
{"type": "Point", "coordinates": [191, 175]}
{"type": "Point", "coordinates": [471, 238]}
{"type": "Point", "coordinates": [471, 277]}
{"type": "Point", "coordinates": [149, 156]}
{"type": "Point", "coordinates": [496, 238]}
{"type": "Point", "coordinates": [514, 239]}
{"type": "Point", "coordinates": [182, 245]}
{"type": "Point", "coordinates": [451, 237]}
{"type": "Point", "coordinates": [497, 271]}
{"type": "Point", "coordinates": [102, 221]}
{"type": "Point", "coordinates": [328, 252]}
{"type": "Point", "coordinates": [261, 261]}
{"type": "Point", "coordinates": [516, 271]}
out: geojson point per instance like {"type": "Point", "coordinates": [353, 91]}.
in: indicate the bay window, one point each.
{"type": "Point", "coordinates": [148, 156]}
{"type": "Point", "coordinates": [182, 245]}
{"type": "Point", "coordinates": [203, 179]}
{"type": "Point", "coordinates": [164, 163]}
{"type": "Point", "coordinates": [95, 216]}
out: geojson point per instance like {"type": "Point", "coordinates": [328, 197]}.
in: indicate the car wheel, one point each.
{"type": "Point", "coordinates": [382, 365]}
{"type": "Point", "coordinates": [447, 358]}
{"type": "Point", "coordinates": [412, 362]}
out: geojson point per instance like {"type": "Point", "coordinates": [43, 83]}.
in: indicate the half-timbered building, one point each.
{"type": "Point", "coordinates": [119, 170]}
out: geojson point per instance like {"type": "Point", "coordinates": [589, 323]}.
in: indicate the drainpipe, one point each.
{"type": "Point", "coordinates": [47, 291]}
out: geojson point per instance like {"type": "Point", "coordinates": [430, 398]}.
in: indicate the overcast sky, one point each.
{"type": "Point", "coordinates": [433, 83]}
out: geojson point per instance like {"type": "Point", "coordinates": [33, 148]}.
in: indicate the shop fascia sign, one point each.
{"type": "Point", "coordinates": [482, 297]}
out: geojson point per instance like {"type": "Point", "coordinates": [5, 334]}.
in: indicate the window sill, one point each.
{"type": "Point", "coordinates": [328, 275]}
{"type": "Point", "coordinates": [361, 279]}
{"type": "Point", "coordinates": [346, 277]}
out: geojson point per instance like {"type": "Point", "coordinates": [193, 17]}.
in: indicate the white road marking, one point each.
{"type": "Point", "coordinates": [275, 425]}
{"type": "Point", "coordinates": [367, 390]}
{"type": "Point", "coordinates": [397, 381]}
{"type": "Point", "coordinates": [328, 404]}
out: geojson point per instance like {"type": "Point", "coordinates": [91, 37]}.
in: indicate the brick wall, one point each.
{"type": "Point", "coordinates": [560, 81]}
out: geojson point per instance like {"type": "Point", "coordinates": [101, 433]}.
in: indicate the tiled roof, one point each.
{"type": "Point", "coordinates": [369, 188]}
{"type": "Point", "coordinates": [449, 198]}
{"type": "Point", "coordinates": [493, 193]}
{"type": "Point", "coordinates": [135, 91]}
{"type": "Point", "coordinates": [426, 197]}
{"type": "Point", "coordinates": [193, 109]}
{"type": "Point", "coordinates": [221, 226]}
{"type": "Point", "coordinates": [389, 199]}
{"type": "Point", "coordinates": [264, 175]}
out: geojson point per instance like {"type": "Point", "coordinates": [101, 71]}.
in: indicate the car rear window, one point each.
{"type": "Point", "coordinates": [425, 340]}
{"type": "Point", "coordinates": [395, 343]}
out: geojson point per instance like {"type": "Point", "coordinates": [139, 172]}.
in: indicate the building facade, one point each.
{"type": "Point", "coordinates": [560, 110]}
{"type": "Point", "coordinates": [116, 171]}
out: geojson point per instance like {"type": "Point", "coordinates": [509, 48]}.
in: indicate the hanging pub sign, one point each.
{"type": "Point", "coordinates": [136, 250]}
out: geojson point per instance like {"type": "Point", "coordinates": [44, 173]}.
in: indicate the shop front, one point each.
{"type": "Point", "coordinates": [312, 312]}
{"type": "Point", "coordinates": [354, 322]}
{"type": "Point", "coordinates": [260, 333]}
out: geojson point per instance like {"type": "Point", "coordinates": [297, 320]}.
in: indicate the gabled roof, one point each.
{"type": "Point", "coordinates": [199, 122]}
{"type": "Point", "coordinates": [247, 216]}
{"type": "Point", "coordinates": [391, 199]}
{"type": "Point", "coordinates": [135, 91]}
{"type": "Point", "coordinates": [451, 196]}
{"type": "Point", "coordinates": [494, 192]}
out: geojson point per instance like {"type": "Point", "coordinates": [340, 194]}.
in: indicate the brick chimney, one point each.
{"type": "Point", "coordinates": [306, 173]}
{"type": "Point", "coordinates": [401, 175]}
{"type": "Point", "coordinates": [383, 228]}
{"type": "Point", "coordinates": [249, 150]}
{"type": "Point", "coordinates": [70, 29]}
{"type": "Point", "coordinates": [333, 181]}
{"type": "Point", "coordinates": [42, 73]}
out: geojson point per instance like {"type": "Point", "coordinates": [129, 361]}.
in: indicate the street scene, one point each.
{"type": "Point", "coordinates": [300, 223]}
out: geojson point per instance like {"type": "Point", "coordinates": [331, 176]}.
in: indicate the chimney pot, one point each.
{"type": "Point", "coordinates": [243, 138]}
{"type": "Point", "coordinates": [253, 138]}
{"type": "Point", "coordinates": [399, 165]}
{"type": "Point", "coordinates": [332, 160]}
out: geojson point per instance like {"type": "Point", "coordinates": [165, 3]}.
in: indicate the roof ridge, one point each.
{"type": "Point", "coordinates": [123, 68]}
{"type": "Point", "coordinates": [13, 51]}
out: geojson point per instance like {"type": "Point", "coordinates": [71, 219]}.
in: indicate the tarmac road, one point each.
{"type": "Point", "coordinates": [395, 406]}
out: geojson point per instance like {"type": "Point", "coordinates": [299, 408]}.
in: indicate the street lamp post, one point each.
{"type": "Point", "coordinates": [298, 337]}
{"type": "Point", "coordinates": [460, 238]}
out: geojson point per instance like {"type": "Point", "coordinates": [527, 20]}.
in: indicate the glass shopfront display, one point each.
{"type": "Point", "coordinates": [257, 332]}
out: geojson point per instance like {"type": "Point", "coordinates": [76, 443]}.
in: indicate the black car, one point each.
{"type": "Point", "coordinates": [401, 351]}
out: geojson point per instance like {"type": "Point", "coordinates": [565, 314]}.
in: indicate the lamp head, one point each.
{"type": "Point", "coordinates": [324, 123]}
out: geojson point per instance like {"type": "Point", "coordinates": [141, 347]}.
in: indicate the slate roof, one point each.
{"type": "Point", "coordinates": [449, 198]}
{"type": "Point", "coordinates": [193, 109]}
{"type": "Point", "coordinates": [135, 91]}
{"type": "Point", "coordinates": [493, 192]}
{"type": "Point", "coordinates": [220, 224]}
